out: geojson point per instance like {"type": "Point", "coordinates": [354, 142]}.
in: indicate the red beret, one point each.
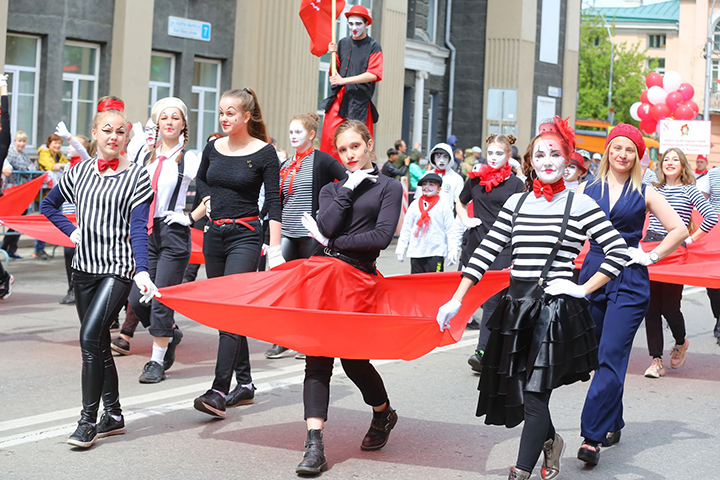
{"type": "Point", "coordinates": [629, 132]}
{"type": "Point", "coordinates": [578, 160]}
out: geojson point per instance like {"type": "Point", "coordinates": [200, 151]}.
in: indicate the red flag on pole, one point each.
{"type": "Point", "coordinates": [316, 15]}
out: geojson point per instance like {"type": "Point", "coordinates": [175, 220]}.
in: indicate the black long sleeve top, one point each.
{"type": "Point", "coordinates": [361, 222]}
{"type": "Point", "coordinates": [5, 138]}
{"type": "Point", "coordinates": [233, 182]}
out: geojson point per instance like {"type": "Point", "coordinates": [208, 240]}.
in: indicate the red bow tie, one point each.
{"type": "Point", "coordinates": [104, 164]}
{"type": "Point", "coordinates": [440, 172]}
{"type": "Point", "coordinates": [548, 190]}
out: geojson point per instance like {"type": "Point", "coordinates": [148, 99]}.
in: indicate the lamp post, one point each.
{"type": "Point", "coordinates": [708, 63]}
{"type": "Point", "coordinates": [611, 114]}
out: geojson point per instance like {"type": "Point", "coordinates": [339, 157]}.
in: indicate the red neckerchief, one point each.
{"type": "Point", "coordinates": [701, 172]}
{"type": "Point", "coordinates": [440, 172]}
{"type": "Point", "coordinates": [103, 164]}
{"type": "Point", "coordinates": [425, 204]}
{"type": "Point", "coordinates": [292, 168]}
{"type": "Point", "coordinates": [491, 177]}
{"type": "Point", "coordinates": [548, 190]}
{"type": "Point", "coordinates": [75, 160]}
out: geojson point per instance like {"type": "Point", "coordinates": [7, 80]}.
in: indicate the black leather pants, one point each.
{"type": "Point", "coordinates": [98, 299]}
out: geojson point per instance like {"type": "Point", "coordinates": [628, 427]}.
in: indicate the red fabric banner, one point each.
{"type": "Point", "coordinates": [15, 200]}
{"type": "Point", "coordinates": [316, 16]}
{"type": "Point", "coordinates": [324, 307]}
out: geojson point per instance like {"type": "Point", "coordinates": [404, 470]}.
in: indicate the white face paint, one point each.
{"type": "Point", "coordinates": [571, 173]}
{"type": "Point", "coordinates": [430, 189]}
{"type": "Point", "coordinates": [496, 156]}
{"type": "Point", "coordinates": [441, 160]}
{"type": "Point", "coordinates": [548, 160]}
{"type": "Point", "coordinates": [299, 137]}
{"type": "Point", "coordinates": [356, 26]}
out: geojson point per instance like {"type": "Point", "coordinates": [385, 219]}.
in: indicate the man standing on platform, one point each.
{"type": "Point", "coordinates": [360, 63]}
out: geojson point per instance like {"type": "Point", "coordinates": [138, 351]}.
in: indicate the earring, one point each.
{"type": "Point", "coordinates": [366, 150]}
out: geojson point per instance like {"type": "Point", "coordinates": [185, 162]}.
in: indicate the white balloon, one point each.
{"type": "Point", "coordinates": [671, 81]}
{"type": "Point", "coordinates": [633, 111]}
{"type": "Point", "coordinates": [656, 95]}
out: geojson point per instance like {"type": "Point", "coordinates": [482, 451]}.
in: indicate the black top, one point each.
{"type": "Point", "coordinates": [233, 182]}
{"type": "Point", "coordinates": [361, 222]}
{"type": "Point", "coordinates": [5, 134]}
{"type": "Point", "coordinates": [326, 169]}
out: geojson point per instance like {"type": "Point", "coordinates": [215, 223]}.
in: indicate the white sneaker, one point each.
{"type": "Point", "coordinates": [656, 369]}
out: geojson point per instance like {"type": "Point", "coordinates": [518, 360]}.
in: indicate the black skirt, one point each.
{"type": "Point", "coordinates": [537, 343]}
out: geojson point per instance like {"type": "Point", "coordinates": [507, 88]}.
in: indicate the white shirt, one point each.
{"type": "Point", "coordinates": [452, 186]}
{"type": "Point", "coordinates": [434, 242]}
{"type": "Point", "coordinates": [168, 179]}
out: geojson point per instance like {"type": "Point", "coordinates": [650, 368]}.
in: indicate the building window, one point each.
{"type": "Point", "coordinates": [546, 108]}
{"type": "Point", "coordinates": [205, 99]}
{"type": "Point", "coordinates": [715, 86]}
{"type": "Point", "coordinates": [432, 20]}
{"type": "Point", "coordinates": [550, 31]}
{"type": "Point", "coordinates": [162, 77]}
{"type": "Point", "coordinates": [656, 41]}
{"type": "Point", "coordinates": [596, 41]}
{"type": "Point", "coordinates": [80, 84]}
{"type": "Point", "coordinates": [659, 65]}
{"type": "Point", "coordinates": [502, 111]}
{"type": "Point", "coordinates": [22, 64]}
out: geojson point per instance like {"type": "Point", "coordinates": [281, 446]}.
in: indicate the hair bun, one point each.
{"type": "Point", "coordinates": [314, 116]}
{"type": "Point", "coordinates": [511, 139]}
{"type": "Point", "coordinates": [490, 138]}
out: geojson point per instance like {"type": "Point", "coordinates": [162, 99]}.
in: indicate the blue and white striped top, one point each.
{"type": "Point", "coordinates": [682, 199]}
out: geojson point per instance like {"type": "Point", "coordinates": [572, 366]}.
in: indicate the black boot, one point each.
{"type": "Point", "coordinates": [380, 427]}
{"type": "Point", "coordinates": [313, 462]}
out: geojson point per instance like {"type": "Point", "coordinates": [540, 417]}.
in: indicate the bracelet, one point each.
{"type": "Point", "coordinates": [192, 220]}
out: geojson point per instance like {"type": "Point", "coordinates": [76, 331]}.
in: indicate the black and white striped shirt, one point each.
{"type": "Point", "coordinates": [682, 199]}
{"type": "Point", "coordinates": [104, 205]}
{"type": "Point", "coordinates": [536, 231]}
{"type": "Point", "coordinates": [300, 200]}
{"type": "Point", "coordinates": [710, 184]}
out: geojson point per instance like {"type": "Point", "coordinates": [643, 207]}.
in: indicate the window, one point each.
{"type": "Point", "coordinates": [205, 99]}
{"type": "Point", "coordinates": [715, 86]}
{"type": "Point", "coordinates": [550, 31]}
{"type": "Point", "coordinates": [162, 77]}
{"type": "Point", "coordinates": [502, 111]}
{"type": "Point", "coordinates": [596, 41]}
{"type": "Point", "coordinates": [716, 37]}
{"type": "Point", "coordinates": [656, 41]}
{"type": "Point", "coordinates": [546, 108]}
{"type": "Point", "coordinates": [659, 65]}
{"type": "Point", "coordinates": [432, 20]}
{"type": "Point", "coordinates": [22, 64]}
{"type": "Point", "coordinates": [80, 84]}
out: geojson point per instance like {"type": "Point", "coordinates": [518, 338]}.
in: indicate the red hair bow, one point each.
{"type": "Point", "coordinates": [106, 105]}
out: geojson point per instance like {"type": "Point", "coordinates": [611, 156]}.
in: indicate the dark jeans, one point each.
{"type": "Point", "coordinates": [427, 264]}
{"type": "Point", "coordinates": [98, 299]}
{"type": "Point", "coordinates": [168, 255]}
{"type": "Point", "coordinates": [714, 295]}
{"type": "Point", "coordinates": [665, 299]}
{"type": "Point", "coordinates": [131, 321]}
{"type": "Point", "coordinates": [537, 429]}
{"type": "Point", "coordinates": [10, 242]}
{"type": "Point", "coordinates": [229, 249]}
{"type": "Point", "coordinates": [296, 248]}
{"type": "Point", "coordinates": [316, 387]}
{"type": "Point", "coordinates": [68, 254]}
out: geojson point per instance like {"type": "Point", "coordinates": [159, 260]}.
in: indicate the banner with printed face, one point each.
{"type": "Point", "coordinates": [690, 136]}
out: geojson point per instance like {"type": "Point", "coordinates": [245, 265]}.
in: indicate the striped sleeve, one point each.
{"type": "Point", "coordinates": [143, 191]}
{"type": "Point", "coordinates": [66, 184]}
{"type": "Point", "coordinates": [710, 218]}
{"type": "Point", "coordinates": [597, 227]}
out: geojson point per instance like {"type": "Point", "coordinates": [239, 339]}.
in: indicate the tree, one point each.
{"type": "Point", "coordinates": [630, 68]}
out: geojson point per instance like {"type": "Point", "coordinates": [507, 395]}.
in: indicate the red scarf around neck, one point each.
{"type": "Point", "coordinates": [548, 189]}
{"type": "Point", "coordinates": [491, 177]}
{"type": "Point", "coordinates": [293, 167]}
{"type": "Point", "coordinates": [425, 204]}
{"type": "Point", "coordinates": [701, 172]}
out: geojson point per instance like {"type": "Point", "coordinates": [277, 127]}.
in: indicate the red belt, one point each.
{"type": "Point", "coordinates": [242, 221]}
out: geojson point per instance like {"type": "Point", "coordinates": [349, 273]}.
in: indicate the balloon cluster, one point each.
{"type": "Point", "coordinates": [665, 97]}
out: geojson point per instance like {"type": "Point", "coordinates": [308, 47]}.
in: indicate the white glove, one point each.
{"type": "Point", "coordinates": [309, 222]}
{"type": "Point", "coordinates": [689, 240]}
{"type": "Point", "coordinates": [175, 217]}
{"type": "Point", "coordinates": [274, 256]}
{"type": "Point", "coordinates": [452, 257]}
{"type": "Point", "coordinates": [447, 312]}
{"type": "Point", "coordinates": [3, 80]}
{"type": "Point", "coordinates": [357, 177]}
{"type": "Point", "coordinates": [148, 290]}
{"type": "Point", "coordinates": [639, 256]}
{"type": "Point", "coordinates": [62, 131]}
{"type": "Point", "coordinates": [400, 256]}
{"type": "Point", "coordinates": [76, 236]}
{"type": "Point", "coordinates": [565, 287]}
{"type": "Point", "coordinates": [471, 222]}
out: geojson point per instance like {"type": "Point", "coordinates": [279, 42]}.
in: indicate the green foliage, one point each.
{"type": "Point", "coordinates": [629, 71]}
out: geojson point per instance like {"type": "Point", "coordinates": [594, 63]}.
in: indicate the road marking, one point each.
{"type": "Point", "coordinates": [136, 414]}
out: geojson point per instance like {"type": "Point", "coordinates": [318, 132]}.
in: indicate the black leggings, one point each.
{"type": "Point", "coordinates": [98, 299]}
{"type": "Point", "coordinates": [68, 254]}
{"type": "Point", "coordinates": [296, 248]}
{"type": "Point", "coordinates": [537, 429]}
{"type": "Point", "coordinates": [665, 299]}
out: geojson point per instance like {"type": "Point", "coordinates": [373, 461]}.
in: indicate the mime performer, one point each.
{"type": "Point", "coordinates": [360, 64]}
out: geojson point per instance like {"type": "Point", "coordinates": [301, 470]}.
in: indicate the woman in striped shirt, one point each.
{"type": "Point", "coordinates": [676, 182]}
{"type": "Point", "coordinates": [112, 196]}
{"type": "Point", "coordinates": [542, 335]}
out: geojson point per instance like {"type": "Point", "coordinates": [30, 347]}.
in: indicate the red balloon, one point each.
{"type": "Point", "coordinates": [654, 79]}
{"type": "Point", "coordinates": [694, 107]}
{"type": "Point", "coordinates": [683, 112]}
{"type": "Point", "coordinates": [686, 90]}
{"type": "Point", "coordinates": [659, 111]}
{"type": "Point", "coordinates": [643, 97]}
{"type": "Point", "coordinates": [673, 100]}
{"type": "Point", "coordinates": [644, 111]}
{"type": "Point", "coordinates": [648, 126]}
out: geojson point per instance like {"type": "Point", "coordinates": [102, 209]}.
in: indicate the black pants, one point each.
{"type": "Point", "coordinates": [168, 255]}
{"type": "Point", "coordinates": [316, 387]}
{"type": "Point", "coordinates": [665, 299]}
{"type": "Point", "coordinates": [10, 242]}
{"type": "Point", "coordinates": [427, 264]}
{"type": "Point", "coordinates": [296, 248]}
{"type": "Point", "coordinates": [714, 295]}
{"type": "Point", "coordinates": [98, 299]}
{"type": "Point", "coordinates": [487, 310]}
{"type": "Point", "coordinates": [537, 429]}
{"type": "Point", "coordinates": [229, 249]}
{"type": "Point", "coordinates": [68, 254]}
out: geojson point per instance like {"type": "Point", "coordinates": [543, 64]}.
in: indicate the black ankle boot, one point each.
{"type": "Point", "coordinates": [380, 427]}
{"type": "Point", "coordinates": [313, 461]}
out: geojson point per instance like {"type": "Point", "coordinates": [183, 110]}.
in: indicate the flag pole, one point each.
{"type": "Point", "coordinates": [333, 34]}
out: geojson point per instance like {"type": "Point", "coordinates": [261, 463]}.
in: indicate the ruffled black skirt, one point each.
{"type": "Point", "coordinates": [537, 343]}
